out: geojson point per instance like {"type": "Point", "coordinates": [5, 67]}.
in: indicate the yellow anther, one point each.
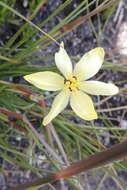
{"type": "Point", "coordinates": [71, 83]}
{"type": "Point", "coordinates": [73, 79]}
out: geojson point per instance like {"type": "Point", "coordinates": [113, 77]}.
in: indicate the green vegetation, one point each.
{"type": "Point", "coordinates": [67, 139]}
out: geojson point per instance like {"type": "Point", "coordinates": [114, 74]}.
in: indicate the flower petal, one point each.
{"type": "Point", "coordinates": [46, 80]}
{"type": "Point", "coordinates": [63, 62]}
{"type": "Point", "coordinates": [82, 105]}
{"type": "Point", "coordinates": [59, 103]}
{"type": "Point", "coordinates": [89, 64]}
{"type": "Point", "coordinates": [99, 88]}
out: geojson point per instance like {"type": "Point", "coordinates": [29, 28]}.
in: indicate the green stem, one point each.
{"type": "Point", "coordinates": [28, 21]}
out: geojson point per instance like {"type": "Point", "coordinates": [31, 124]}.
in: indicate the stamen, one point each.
{"type": "Point", "coordinates": [65, 81]}
{"type": "Point", "coordinates": [70, 89]}
{"type": "Point", "coordinates": [75, 77]}
{"type": "Point", "coordinates": [71, 83]}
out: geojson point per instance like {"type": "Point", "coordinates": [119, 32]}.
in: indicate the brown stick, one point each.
{"type": "Point", "coordinates": [15, 116]}
{"type": "Point", "coordinates": [38, 182]}
{"type": "Point", "coordinates": [116, 152]}
{"type": "Point", "coordinates": [11, 114]}
{"type": "Point", "coordinates": [80, 20]}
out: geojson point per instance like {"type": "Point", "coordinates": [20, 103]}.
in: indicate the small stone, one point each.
{"type": "Point", "coordinates": [123, 124]}
{"type": "Point", "coordinates": [122, 39]}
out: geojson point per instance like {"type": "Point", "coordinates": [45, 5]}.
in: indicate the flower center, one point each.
{"type": "Point", "coordinates": [71, 83]}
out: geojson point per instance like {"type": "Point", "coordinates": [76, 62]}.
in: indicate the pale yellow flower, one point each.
{"type": "Point", "coordinates": [73, 85]}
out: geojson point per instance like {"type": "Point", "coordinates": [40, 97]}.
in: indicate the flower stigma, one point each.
{"type": "Point", "coordinates": [71, 83]}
